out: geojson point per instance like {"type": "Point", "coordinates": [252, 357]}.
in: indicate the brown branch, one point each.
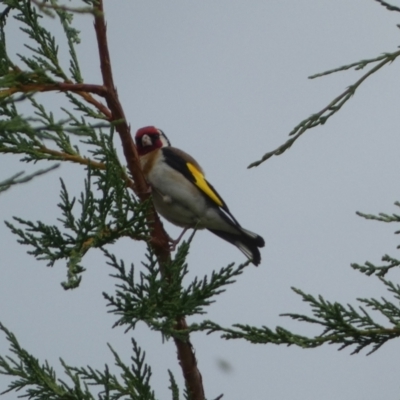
{"type": "Point", "coordinates": [82, 89]}
{"type": "Point", "coordinates": [159, 239]}
{"type": "Point", "coordinates": [58, 86]}
{"type": "Point", "coordinates": [100, 106]}
{"type": "Point", "coordinates": [117, 113]}
{"type": "Point", "coordinates": [84, 161]}
{"type": "Point", "coordinates": [188, 363]}
{"type": "Point", "coordinates": [59, 155]}
{"type": "Point", "coordinates": [72, 157]}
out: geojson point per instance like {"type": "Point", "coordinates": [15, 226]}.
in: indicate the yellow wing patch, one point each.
{"type": "Point", "coordinates": [202, 184]}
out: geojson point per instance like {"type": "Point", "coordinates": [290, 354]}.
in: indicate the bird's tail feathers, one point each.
{"type": "Point", "coordinates": [258, 240]}
{"type": "Point", "coordinates": [230, 219]}
{"type": "Point", "coordinates": [247, 242]}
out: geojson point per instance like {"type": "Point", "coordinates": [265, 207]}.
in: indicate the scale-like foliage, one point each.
{"type": "Point", "coordinates": [109, 209]}
{"type": "Point", "coordinates": [158, 301]}
{"type": "Point", "coordinates": [107, 212]}
{"type": "Point", "coordinates": [40, 381]}
{"type": "Point", "coordinates": [344, 325]}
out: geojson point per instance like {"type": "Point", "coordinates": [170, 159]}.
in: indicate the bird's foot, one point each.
{"type": "Point", "coordinates": [173, 243]}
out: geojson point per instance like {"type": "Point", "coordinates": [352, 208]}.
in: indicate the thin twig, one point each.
{"type": "Point", "coordinates": [356, 65]}
{"type": "Point", "coordinates": [319, 118]}
{"type": "Point", "coordinates": [388, 6]}
{"type": "Point", "coordinates": [84, 161]}
{"type": "Point", "coordinates": [77, 159]}
{"type": "Point", "coordinates": [99, 105]}
{"type": "Point", "coordinates": [19, 178]}
{"type": "Point", "coordinates": [47, 8]}
{"type": "Point", "coordinates": [81, 89]}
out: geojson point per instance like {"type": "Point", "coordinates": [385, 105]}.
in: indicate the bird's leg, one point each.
{"type": "Point", "coordinates": [173, 242]}
{"type": "Point", "coordinates": [147, 191]}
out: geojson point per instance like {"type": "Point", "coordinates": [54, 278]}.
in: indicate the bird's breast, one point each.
{"type": "Point", "coordinates": [174, 196]}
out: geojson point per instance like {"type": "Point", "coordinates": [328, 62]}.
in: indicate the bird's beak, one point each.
{"type": "Point", "coordinates": [146, 141]}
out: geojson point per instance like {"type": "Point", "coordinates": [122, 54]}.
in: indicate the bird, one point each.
{"type": "Point", "coordinates": [183, 196]}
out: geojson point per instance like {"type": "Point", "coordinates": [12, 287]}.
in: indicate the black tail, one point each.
{"type": "Point", "coordinates": [247, 242]}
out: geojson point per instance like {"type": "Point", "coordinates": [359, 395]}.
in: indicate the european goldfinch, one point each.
{"type": "Point", "coordinates": [182, 195]}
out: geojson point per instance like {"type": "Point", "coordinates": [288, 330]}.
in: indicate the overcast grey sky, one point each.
{"type": "Point", "coordinates": [226, 81]}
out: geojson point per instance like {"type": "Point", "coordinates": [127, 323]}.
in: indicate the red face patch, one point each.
{"type": "Point", "coordinates": [147, 139]}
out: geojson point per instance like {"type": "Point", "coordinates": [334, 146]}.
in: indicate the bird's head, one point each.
{"type": "Point", "coordinates": [150, 138]}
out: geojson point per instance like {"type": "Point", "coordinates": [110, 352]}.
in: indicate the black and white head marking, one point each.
{"type": "Point", "coordinates": [164, 140]}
